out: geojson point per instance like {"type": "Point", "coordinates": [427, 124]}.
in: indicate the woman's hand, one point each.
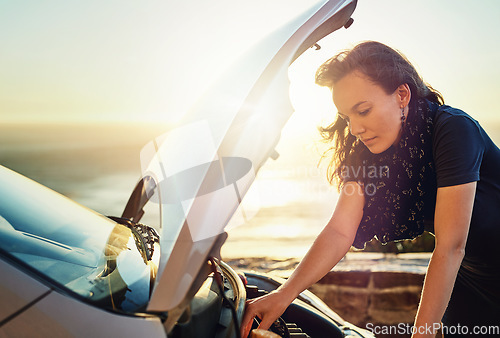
{"type": "Point", "coordinates": [268, 308]}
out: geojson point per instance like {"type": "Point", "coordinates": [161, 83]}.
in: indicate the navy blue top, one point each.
{"type": "Point", "coordinates": [440, 146]}
{"type": "Point", "coordinates": [464, 153]}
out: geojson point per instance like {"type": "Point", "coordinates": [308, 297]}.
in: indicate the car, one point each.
{"type": "Point", "coordinates": [155, 270]}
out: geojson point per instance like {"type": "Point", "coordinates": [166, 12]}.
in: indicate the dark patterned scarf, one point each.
{"type": "Point", "coordinates": [400, 183]}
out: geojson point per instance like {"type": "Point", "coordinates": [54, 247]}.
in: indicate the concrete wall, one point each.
{"type": "Point", "coordinates": [377, 297]}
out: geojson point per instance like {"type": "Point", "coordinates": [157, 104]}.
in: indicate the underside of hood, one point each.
{"type": "Point", "coordinates": [199, 172]}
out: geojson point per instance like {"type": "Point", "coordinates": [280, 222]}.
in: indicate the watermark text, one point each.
{"type": "Point", "coordinates": [408, 329]}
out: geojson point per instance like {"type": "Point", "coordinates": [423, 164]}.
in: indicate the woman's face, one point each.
{"type": "Point", "coordinates": [372, 115]}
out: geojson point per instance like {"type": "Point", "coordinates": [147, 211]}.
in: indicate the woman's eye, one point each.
{"type": "Point", "coordinates": [364, 112]}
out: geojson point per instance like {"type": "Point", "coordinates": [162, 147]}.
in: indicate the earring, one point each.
{"type": "Point", "coordinates": [403, 117]}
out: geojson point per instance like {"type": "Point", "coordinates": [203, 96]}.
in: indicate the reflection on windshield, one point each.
{"type": "Point", "coordinates": [78, 249]}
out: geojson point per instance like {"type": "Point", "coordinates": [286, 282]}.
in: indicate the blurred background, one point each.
{"type": "Point", "coordinates": [83, 87]}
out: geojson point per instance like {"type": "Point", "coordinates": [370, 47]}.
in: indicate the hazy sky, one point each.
{"type": "Point", "coordinates": [94, 60]}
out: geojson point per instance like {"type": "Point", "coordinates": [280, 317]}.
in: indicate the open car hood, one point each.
{"type": "Point", "coordinates": [199, 172]}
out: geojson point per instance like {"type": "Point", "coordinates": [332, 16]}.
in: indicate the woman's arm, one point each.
{"type": "Point", "coordinates": [327, 250]}
{"type": "Point", "coordinates": [451, 225]}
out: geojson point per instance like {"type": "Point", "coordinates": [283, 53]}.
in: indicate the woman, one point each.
{"type": "Point", "coordinates": [404, 162]}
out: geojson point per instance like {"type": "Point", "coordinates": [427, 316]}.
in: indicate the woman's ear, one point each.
{"type": "Point", "coordinates": [404, 94]}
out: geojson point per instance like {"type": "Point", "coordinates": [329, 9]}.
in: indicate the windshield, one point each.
{"type": "Point", "coordinates": [102, 261]}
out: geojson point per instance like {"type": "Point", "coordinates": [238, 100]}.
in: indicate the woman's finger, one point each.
{"type": "Point", "coordinates": [246, 322]}
{"type": "Point", "coordinates": [266, 323]}
{"type": "Point", "coordinates": [246, 329]}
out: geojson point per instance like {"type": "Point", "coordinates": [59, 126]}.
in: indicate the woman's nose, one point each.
{"type": "Point", "coordinates": [355, 128]}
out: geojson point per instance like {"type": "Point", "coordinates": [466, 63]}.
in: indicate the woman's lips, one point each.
{"type": "Point", "coordinates": [369, 140]}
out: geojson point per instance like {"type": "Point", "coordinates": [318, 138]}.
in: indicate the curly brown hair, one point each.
{"type": "Point", "coordinates": [385, 67]}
